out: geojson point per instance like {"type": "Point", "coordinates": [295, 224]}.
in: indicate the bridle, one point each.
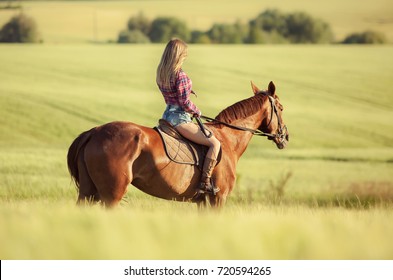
{"type": "Point", "coordinates": [282, 129]}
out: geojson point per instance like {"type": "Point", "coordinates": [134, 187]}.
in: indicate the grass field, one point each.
{"type": "Point", "coordinates": [87, 21]}
{"type": "Point", "coordinates": [336, 204]}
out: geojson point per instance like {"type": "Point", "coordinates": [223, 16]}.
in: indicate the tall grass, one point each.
{"type": "Point", "coordinates": [47, 230]}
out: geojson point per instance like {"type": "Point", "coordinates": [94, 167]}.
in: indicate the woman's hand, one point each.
{"type": "Point", "coordinates": [196, 115]}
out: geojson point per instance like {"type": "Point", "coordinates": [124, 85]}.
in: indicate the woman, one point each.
{"type": "Point", "coordinates": [176, 87]}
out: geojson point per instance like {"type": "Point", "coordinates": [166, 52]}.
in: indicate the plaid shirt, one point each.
{"type": "Point", "coordinates": [179, 93]}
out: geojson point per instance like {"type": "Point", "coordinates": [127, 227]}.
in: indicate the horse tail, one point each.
{"type": "Point", "coordinates": [73, 153]}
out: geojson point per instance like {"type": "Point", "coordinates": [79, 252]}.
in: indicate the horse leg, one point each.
{"type": "Point", "coordinates": [220, 200]}
{"type": "Point", "coordinates": [112, 187]}
{"type": "Point", "coordinates": [110, 163]}
{"type": "Point", "coordinates": [209, 201]}
{"type": "Point", "coordinates": [225, 179]}
{"type": "Point", "coordinates": [110, 177]}
{"type": "Point", "coordinates": [87, 190]}
{"type": "Point", "coordinates": [204, 202]}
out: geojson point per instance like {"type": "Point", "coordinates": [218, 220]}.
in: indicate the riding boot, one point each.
{"type": "Point", "coordinates": [206, 184]}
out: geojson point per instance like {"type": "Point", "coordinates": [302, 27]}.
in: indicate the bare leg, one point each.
{"type": "Point", "coordinates": [192, 132]}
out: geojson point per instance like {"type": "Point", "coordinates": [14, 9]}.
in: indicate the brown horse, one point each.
{"type": "Point", "coordinates": [106, 159]}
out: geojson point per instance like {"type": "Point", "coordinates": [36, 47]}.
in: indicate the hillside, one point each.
{"type": "Point", "coordinates": [49, 94]}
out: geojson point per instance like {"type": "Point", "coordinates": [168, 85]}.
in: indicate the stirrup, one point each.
{"type": "Point", "coordinates": [208, 189]}
{"type": "Point", "coordinates": [202, 191]}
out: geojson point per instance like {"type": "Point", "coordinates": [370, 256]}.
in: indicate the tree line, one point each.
{"type": "Point", "coordinates": [269, 27]}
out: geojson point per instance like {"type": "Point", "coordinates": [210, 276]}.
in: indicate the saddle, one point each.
{"type": "Point", "coordinates": [178, 148]}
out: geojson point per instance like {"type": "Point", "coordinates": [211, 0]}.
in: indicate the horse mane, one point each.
{"type": "Point", "coordinates": [243, 108]}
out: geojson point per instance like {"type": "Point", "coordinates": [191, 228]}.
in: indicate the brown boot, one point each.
{"type": "Point", "coordinates": [206, 185]}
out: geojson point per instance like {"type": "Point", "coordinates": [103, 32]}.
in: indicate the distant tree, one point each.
{"type": "Point", "coordinates": [132, 37]}
{"type": "Point", "coordinates": [367, 37]}
{"type": "Point", "coordinates": [242, 29]}
{"type": "Point", "coordinates": [270, 26]}
{"type": "Point", "coordinates": [269, 21]}
{"type": "Point", "coordinates": [259, 36]}
{"type": "Point", "coordinates": [165, 28]}
{"type": "Point", "coordinates": [302, 28]}
{"type": "Point", "coordinates": [20, 29]}
{"type": "Point", "coordinates": [228, 33]}
{"type": "Point", "coordinates": [199, 37]}
{"type": "Point", "coordinates": [139, 22]}
{"type": "Point", "coordinates": [11, 4]}
{"type": "Point", "coordinates": [256, 35]}
{"type": "Point", "coordinates": [277, 27]}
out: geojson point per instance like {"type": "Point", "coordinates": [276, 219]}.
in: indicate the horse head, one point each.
{"type": "Point", "coordinates": [272, 122]}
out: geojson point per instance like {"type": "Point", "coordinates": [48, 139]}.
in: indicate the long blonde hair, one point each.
{"type": "Point", "coordinates": [171, 61]}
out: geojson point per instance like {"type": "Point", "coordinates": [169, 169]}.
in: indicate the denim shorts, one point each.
{"type": "Point", "coordinates": [175, 115]}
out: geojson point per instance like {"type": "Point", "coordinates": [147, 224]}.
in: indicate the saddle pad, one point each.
{"type": "Point", "coordinates": [179, 149]}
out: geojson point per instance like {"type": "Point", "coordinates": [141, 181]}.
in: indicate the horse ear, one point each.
{"type": "Point", "coordinates": [272, 88]}
{"type": "Point", "coordinates": [255, 89]}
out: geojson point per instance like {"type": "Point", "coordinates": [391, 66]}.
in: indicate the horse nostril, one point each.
{"type": "Point", "coordinates": [281, 145]}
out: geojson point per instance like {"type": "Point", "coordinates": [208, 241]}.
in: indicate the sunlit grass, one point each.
{"type": "Point", "coordinates": [45, 230]}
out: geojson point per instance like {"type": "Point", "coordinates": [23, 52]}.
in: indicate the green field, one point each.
{"type": "Point", "coordinates": [337, 201]}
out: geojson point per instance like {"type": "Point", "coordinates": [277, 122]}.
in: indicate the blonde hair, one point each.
{"type": "Point", "coordinates": [171, 61]}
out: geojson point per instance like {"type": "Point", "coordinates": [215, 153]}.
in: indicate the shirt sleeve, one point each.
{"type": "Point", "coordinates": [184, 87]}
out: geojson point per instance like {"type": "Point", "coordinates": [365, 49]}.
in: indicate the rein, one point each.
{"type": "Point", "coordinates": [281, 132]}
{"type": "Point", "coordinates": [256, 132]}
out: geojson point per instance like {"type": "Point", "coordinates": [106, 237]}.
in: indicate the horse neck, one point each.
{"type": "Point", "coordinates": [238, 140]}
